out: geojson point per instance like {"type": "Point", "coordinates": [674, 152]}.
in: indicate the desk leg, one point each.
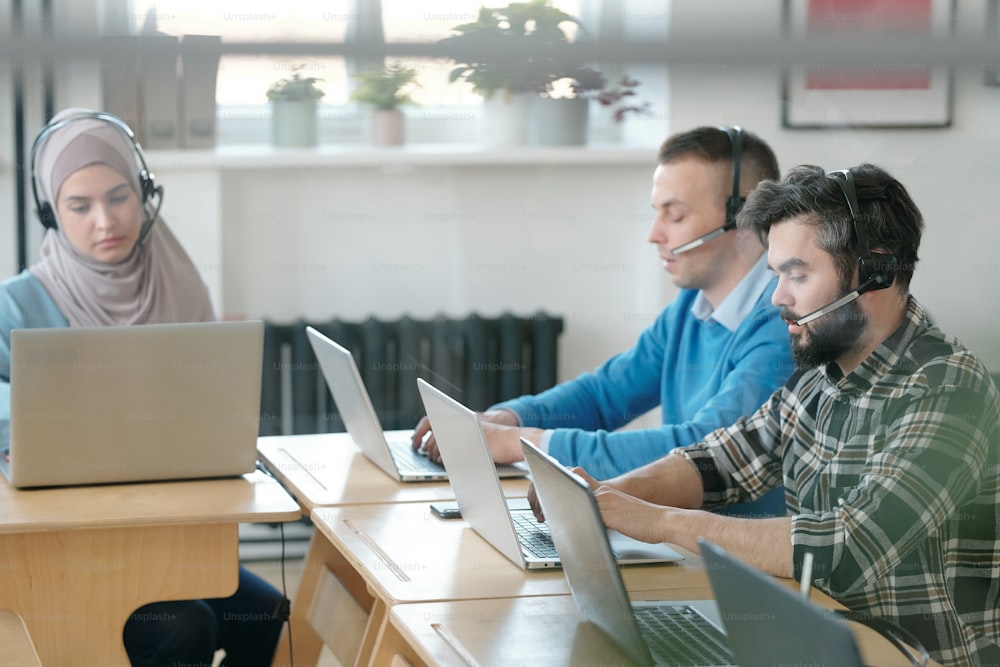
{"type": "Point", "coordinates": [373, 632]}
{"type": "Point", "coordinates": [75, 589]}
{"type": "Point", "coordinates": [310, 610]}
{"type": "Point", "coordinates": [392, 648]}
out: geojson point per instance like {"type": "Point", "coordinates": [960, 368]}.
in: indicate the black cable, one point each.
{"type": "Point", "coordinates": [904, 641]}
{"type": "Point", "coordinates": [20, 221]}
{"type": "Point", "coordinates": [284, 592]}
{"type": "Point", "coordinates": [48, 72]}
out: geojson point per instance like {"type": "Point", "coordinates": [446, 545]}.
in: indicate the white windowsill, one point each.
{"type": "Point", "coordinates": [268, 157]}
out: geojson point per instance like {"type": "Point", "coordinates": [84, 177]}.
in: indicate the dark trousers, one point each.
{"type": "Point", "coordinates": [187, 633]}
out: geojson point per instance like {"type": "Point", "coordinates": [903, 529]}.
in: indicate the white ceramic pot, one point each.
{"type": "Point", "coordinates": [293, 123]}
{"type": "Point", "coordinates": [388, 127]}
{"type": "Point", "coordinates": [505, 118]}
{"type": "Point", "coordinates": [558, 121]}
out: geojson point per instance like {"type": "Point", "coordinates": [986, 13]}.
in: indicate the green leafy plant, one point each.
{"type": "Point", "coordinates": [385, 87]}
{"type": "Point", "coordinates": [519, 28]}
{"type": "Point", "coordinates": [295, 87]}
{"type": "Point", "coordinates": [537, 29]}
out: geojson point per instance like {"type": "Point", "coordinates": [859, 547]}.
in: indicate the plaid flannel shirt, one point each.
{"type": "Point", "coordinates": [892, 481]}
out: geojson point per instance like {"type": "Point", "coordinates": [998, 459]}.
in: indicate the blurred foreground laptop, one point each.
{"type": "Point", "coordinates": [513, 532]}
{"type": "Point", "coordinates": [133, 403]}
{"type": "Point", "coordinates": [753, 620]}
{"type": "Point", "coordinates": [389, 450]}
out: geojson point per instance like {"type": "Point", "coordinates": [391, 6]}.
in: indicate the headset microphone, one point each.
{"type": "Point", "coordinates": [834, 305]}
{"type": "Point", "coordinates": [875, 270]}
{"type": "Point", "coordinates": [733, 203]}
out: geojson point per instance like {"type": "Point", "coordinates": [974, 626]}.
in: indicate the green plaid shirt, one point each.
{"type": "Point", "coordinates": [892, 481]}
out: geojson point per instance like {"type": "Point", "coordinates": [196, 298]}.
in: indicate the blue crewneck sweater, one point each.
{"type": "Point", "coordinates": [701, 374]}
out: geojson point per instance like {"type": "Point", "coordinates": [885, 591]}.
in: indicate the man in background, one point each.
{"type": "Point", "coordinates": [714, 354]}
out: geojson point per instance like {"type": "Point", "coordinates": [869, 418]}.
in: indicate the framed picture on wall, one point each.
{"type": "Point", "coordinates": [991, 76]}
{"type": "Point", "coordinates": [882, 95]}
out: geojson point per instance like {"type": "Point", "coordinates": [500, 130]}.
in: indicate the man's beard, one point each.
{"type": "Point", "coordinates": [829, 337]}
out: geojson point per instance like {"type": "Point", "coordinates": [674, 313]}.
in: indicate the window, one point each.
{"type": "Point", "coordinates": [243, 80]}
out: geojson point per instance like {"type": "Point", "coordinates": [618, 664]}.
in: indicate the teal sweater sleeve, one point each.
{"type": "Point", "coordinates": [702, 375]}
{"type": "Point", "coordinates": [24, 304]}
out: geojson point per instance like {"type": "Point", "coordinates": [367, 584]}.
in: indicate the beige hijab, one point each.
{"type": "Point", "coordinates": [156, 282]}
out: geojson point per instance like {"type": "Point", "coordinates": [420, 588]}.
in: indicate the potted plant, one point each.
{"type": "Point", "coordinates": [562, 118]}
{"type": "Point", "coordinates": [294, 103]}
{"type": "Point", "coordinates": [386, 89]}
{"type": "Point", "coordinates": [510, 83]}
{"type": "Point", "coordinates": [542, 99]}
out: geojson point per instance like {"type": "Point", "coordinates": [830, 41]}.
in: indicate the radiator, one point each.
{"type": "Point", "coordinates": [477, 360]}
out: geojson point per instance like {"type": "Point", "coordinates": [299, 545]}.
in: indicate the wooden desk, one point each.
{"type": "Point", "coordinates": [367, 558]}
{"type": "Point", "coordinates": [534, 631]}
{"type": "Point", "coordinates": [328, 470]}
{"type": "Point", "coordinates": [76, 562]}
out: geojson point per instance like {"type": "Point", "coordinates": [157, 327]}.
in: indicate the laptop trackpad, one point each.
{"type": "Point", "coordinates": [627, 549]}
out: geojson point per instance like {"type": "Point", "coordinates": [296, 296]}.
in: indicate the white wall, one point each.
{"type": "Point", "coordinates": [352, 242]}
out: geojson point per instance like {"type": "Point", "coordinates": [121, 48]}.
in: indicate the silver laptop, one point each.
{"type": "Point", "coordinates": [752, 621]}
{"type": "Point", "coordinates": [389, 450]}
{"type": "Point", "coordinates": [134, 403]}
{"type": "Point", "coordinates": [513, 532]}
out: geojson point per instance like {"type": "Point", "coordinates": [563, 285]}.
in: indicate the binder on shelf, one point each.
{"type": "Point", "coordinates": [200, 56]}
{"type": "Point", "coordinates": [120, 79]}
{"type": "Point", "coordinates": [159, 56]}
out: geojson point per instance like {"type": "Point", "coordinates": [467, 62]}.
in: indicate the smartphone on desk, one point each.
{"type": "Point", "coordinates": [446, 510]}
{"type": "Point", "coordinates": [450, 510]}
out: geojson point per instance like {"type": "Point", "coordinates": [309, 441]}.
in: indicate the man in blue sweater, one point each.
{"type": "Point", "coordinates": [713, 355]}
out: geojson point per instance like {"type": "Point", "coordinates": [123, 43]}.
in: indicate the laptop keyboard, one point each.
{"type": "Point", "coordinates": [681, 636]}
{"type": "Point", "coordinates": [533, 536]}
{"type": "Point", "coordinates": [408, 460]}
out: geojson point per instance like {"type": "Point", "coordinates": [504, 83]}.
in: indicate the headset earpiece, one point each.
{"type": "Point", "coordinates": [879, 269]}
{"type": "Point", "coordinates": [46, 215]}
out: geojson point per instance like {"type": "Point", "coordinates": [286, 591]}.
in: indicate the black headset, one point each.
{"type": "Point", "coordinates": [147, 187]}
{"type": "Point", "coordinates": [733, 203]}
{"type": "Point", "coordinates": [876, 270]}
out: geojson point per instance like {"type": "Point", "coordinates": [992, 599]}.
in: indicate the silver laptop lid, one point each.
{"type": "Point", "coordinates": [767, 623]}
{"type": "Point", "coordinates": [355, 406]}
{"type": "Point", "coordinates": [580, 536]}
{"type": "Point", "coordinates": [134, 403]}
{"type": "Point", "coordinates": [472, 472]}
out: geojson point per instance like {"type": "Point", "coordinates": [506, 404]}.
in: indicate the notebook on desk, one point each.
{"type": "Point", "coordinates": [513, 532]}
{"type": "Point", "coordinates": [389, 450]}
{"type": "Point", "coordinates": [752, 620]}
{"type": "Point", "coordinates": [134, 403]}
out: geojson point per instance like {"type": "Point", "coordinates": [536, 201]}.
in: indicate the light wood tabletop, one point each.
{"type": "Point", "coordinates": [77, 561]}
{"type": "Point", "coordinates": [328, 469]}
{"type": "Point", "coordinates": [367, 558]}
{"type": "Point", "coordinates": [545, 630]}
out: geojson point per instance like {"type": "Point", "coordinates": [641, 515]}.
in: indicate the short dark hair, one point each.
{"type": "Point", "coordinates": [714, 145]}
{"type": "Point", "coordinates": [891, 221]}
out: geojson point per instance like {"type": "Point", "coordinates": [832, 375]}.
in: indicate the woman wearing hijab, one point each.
{"type": "Point", "coordinates": [107, 258]}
